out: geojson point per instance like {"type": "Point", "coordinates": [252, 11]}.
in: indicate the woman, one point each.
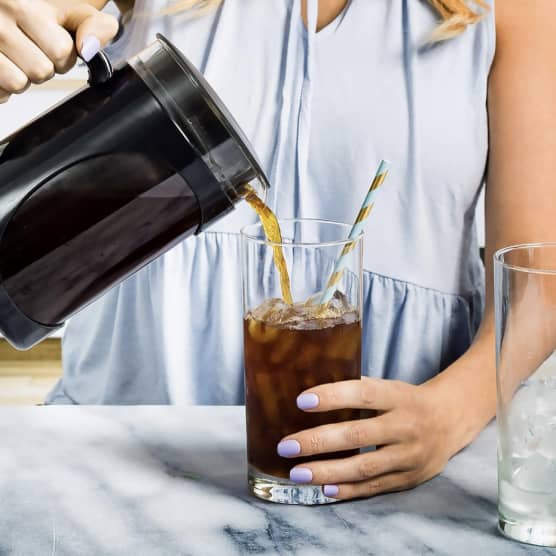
{"type": "Point", "coordinates": [323, 92]}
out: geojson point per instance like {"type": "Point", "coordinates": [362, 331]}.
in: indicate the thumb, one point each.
{"type": "Point", "coordinates": [92, 29]}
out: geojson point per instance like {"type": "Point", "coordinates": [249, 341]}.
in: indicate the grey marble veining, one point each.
{"type": "Point", "coordinates": [81, 481]}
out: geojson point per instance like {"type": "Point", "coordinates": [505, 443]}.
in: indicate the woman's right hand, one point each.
{"type": "Point", "coordinates": [35, 40]}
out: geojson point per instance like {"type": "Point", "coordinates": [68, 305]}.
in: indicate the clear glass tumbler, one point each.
{"type": "Point", "coordinates": [290, 348]}
{"type": "Point", "coordinates": [525, 303]}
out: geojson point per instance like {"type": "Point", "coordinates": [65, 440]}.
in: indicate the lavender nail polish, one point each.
{"type": "Point", "coordinates": [331, 490]}
{"type": "Point", "coordinates": [90, 47]}
{"type": "Point", "coordinates": [301, 475]}
{"type": "Point", "coordinates": [307, 401]}
{"type": "Point", "coordinates": [289, 448]}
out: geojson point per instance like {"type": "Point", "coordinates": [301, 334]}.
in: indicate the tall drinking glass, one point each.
{"type": "Point", "coordinates": [525, 299]}
{"type": "Point", "coordinates": [290, 348]}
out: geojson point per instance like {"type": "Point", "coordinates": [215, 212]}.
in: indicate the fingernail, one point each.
{"type": "Point", "coordinates": [307, 401]}
{"type": "Point", "coordinates": [331, 490]}
{"type": "Point", "coordinates": [301, 475]}
{"type": "Point", "coordinates": [288, 448]}
{"type": "Point", "coordinates": [90, 47]}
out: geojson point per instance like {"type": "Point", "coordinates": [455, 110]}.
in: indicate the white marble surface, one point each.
{"type": "Point", "coordinates": [82, 481]}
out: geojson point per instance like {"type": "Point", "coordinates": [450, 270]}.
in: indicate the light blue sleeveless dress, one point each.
{"type": "Point", "coordinates": [320, 109]}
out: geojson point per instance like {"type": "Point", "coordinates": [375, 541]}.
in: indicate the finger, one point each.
{"type": "Point", "coordinates": [4, 96]}
{"type": "Point", "coordinates": [357, 468]}
{"type": "Point", "coordinates": [392, 482]}
{"type": "Point", "coordinates": [12, 79]}
{"type": "Point", "coordinates": [26, 55]}
{"type": "Point", "coordinates": [367, 393]}
{"type": "Point", "coordinates": [348, 435]}
{"type": "Point", "coordinates": [93, 29]}
{"type": "Point", "coordinates": [54, 41]}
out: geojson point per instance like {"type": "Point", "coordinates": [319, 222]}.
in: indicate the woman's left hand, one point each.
{"type": "Point", "coordinates": [411, 429]}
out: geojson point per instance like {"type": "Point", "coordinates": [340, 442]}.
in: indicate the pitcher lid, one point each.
{"type": "Point", "coordinates": [197, 110]}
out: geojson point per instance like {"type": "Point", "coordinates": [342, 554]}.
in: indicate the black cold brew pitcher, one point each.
{"type": "Point", "coordinates": [108, 180]}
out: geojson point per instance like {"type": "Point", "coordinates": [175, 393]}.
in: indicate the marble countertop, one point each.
{"type": "Point", "coordinates": [81, 481]}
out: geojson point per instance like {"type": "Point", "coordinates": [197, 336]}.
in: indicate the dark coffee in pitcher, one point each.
{"type": "Point", "coordinates": [108, 180]}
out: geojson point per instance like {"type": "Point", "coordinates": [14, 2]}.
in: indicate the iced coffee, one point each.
{"type": "Point", "coordinates": [289, 348]}
{"type": "Point", "coordinates": [301, 329]}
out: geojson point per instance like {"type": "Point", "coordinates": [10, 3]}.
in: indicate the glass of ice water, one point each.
{"type": "Point", "coordinates": [525, 305]}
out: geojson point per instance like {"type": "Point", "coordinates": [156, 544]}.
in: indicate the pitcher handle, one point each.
{"type": "Point", "coordinates": [100, 69]}
{"type": "Point", "coordinates": [99, 66]}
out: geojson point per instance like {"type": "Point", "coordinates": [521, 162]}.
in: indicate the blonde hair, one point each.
{"type": "Point", "coordinates": [456, 15]}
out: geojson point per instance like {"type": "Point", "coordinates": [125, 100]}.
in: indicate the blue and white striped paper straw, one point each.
{"type": "Point", "coordinates": [364, 212]}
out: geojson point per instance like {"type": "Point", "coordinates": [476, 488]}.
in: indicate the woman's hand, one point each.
{"type": "Point", "coordinates": [411, 428]}
{"type": "Point", "coordinates": [35, 40]}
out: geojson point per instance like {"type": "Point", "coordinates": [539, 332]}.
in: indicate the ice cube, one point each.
{"type": "Point", "coordinates": [524, 400]}
{"type": "Point", "coordinates": [270, 310]}
{"type": "Point", "coordinates": [524, 439]}
{"type": "Point", "coordinates": [278, 312]}
{"type": "Point", "coordinates": [532, 418]}
{"type": "Point", "coordinates": [283, 349]}
{"type": "Point", "coordinates": [338, 300]}
{"type": "Point", "coordinates": [523, 504]}
{"type": "Point", "coordinates": [308, 354]}
{"type": "Point", "coordinates": [546, 397]}
{"type": "Point", "coordinates": [262, 333]}
{"type": "Point", "coordinates": [537, 474]}
{"type": "Point", "coordinates": [536, 395]}
{"type": "Point", "coordinates": [512, 498]}
{"type": "Point", "coordinates": [346, 347]}
{"type": "Point", "coordinates": [266, 394]}
{"type": "Point", "coordinates": [305, 315]}
{"type": "Point", "coordinates": [523, 432]}
{"type": "Point", "coordinates": [337, 306]}
{"type": "Point", "coordinates": [547, 443]}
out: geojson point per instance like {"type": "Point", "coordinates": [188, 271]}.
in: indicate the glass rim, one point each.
{"type": "Point", "coordinates": [499, 257]}
{"type": "Point", "coordinates": [337, 242]}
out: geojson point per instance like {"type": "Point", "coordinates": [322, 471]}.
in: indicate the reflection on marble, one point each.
{"type": "Point", "coordinates": [81, 481]}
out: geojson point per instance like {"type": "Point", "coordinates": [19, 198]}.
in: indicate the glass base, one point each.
{"type": "Point", "coordinates": [282, 491]}
{"type": "Point", "coordinates": [530, 532]}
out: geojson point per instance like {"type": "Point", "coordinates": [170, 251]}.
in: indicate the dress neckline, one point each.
{"type": "Point", "coordinates": [330, 27]}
